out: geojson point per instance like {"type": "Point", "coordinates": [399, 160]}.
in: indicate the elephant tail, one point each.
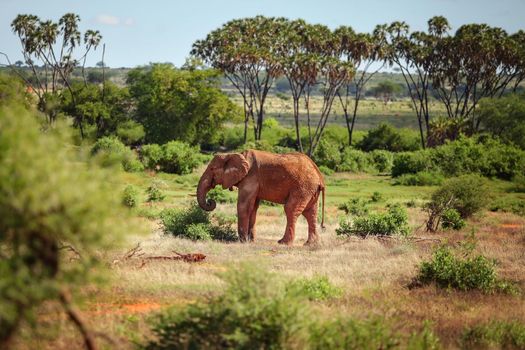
{"type": "Point", "coordinates": [322, 214]}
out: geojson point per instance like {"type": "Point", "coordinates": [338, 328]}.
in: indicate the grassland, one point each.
{"type": "Point", "coordinates": [374, 274]}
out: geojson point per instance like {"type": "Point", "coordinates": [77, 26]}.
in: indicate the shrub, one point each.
{"type": "Point", "coordinates": [352, 334]}
{"type": "Point", "coordinates": [254, 312]}
{"type": "Point", "coordinates": [495, 334]}
{"type": "Point", "coordinates": [220, 195]}
{"type": "Point", "coordinates": [466, 194]}
{"type": "Point", "coordinates": [386, 137]}
{"type": "Point", "coordinates": [151, 156]}
{"type": "Point", "coordinates": [130, 196]}
{"type": "Point", "coordinates": [411, 162]}
{"type": "Point", "coordinates": [393, 222]}
{"type": "Point", "coordinates": [111, 151]}
{"type": "Point", "coordinates": [509, 205]}
{"type": "Point", "coordinates": [518, 183]}
{"type": "Point", "coordinates": [130, 132]}
{"type": "Point", "coordinates": [327, 154]}
{"type": "Point", "coordinates": [317, 288]}
{"type": "Point", "coordinates": [354, 160]}
{"type": "Point", "coordinates": [177, 222]}
{"type": "Point", "coordinates": [376, 197]}
{"type": "Point", "coordinates": [422, 178]}
{"type": "Point", "coordinates": [154, 192]}
{"type": "Point", "coordinates": [326, 170]}
{"type": "Point", "coordinates": [382, 160]}
{"type": "Point", "coordinates": [471, 272]}
{"type": "Point", "coordinates": [179, 158]}
{"type": "Point", "coordinates": [452, 219]}
{"type": "Point", "coordinates": [355, 206]}
{"type": "Point", "coordinates": [198, 232]}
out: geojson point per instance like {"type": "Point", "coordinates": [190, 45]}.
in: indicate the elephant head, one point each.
{"type": "Point", "coordinates": [224, 169]}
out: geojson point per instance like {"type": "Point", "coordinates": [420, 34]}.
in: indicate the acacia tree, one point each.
{"type": "Point", "coordinates": [362, 50]}
{"type": "Point", "coordinates": [52, 45]}
{"type": "Point", "coordinates": [478, 61]}
{"type": "Point", "coordinates": [244, 51]}
{"type": "Point", "coordinates": [415, 56]}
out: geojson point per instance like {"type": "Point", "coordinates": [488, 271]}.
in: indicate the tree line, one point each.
{"type": "Point", "coordinates": [458, 69]}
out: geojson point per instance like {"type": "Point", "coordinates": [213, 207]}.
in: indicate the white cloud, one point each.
{"type": "Point", "coordinates": [111, 20]}
{"type": "Point", "coordinates": [107, 19]}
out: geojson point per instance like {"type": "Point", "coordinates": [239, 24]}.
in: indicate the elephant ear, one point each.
{"type": "Point", "coordinates": [235, 169]}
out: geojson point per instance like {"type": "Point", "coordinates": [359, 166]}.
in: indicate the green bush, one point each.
{"type": "Point", "coordinates": [317, 288]}
{"type": "Point", "coordinates": [130, 132]}
{"type": "Point", "coordinates": [352, 334]}
{"type": "Point", "coordinates": [326, 170]}
{"type": "Point", "coordinates": [382, 160]}
{"type": "Point", "coordinates": [393, 222]}
{"type": "Point", "coordinates": [467, 194]}
{"type": "Point", "coordinates": [355, 206]}
{"type": "Point", "coordinates": [509, 205]}
{"type": "Point", "coordinates": [422, 178]}
{"type": "Point", "coordinates": [179, 158]}
{"type": "Point", "coordinates": [130, 196]}
{"type": "Point", "coordinates": [220, 195]}
{"type": "Point", "coordinates": [354, 160]}
{"type": "Point", "coordinates": [50, 195]}
{"type": "Point", "coordinates": [411, 162]}
{"type": "Point", "coordinates": [327, 154]}
{"type": "Point", "coordinates": [177, 222]}
{"type": "Point", "coordinates": [471, 272]}
{"type": "Point", "coordinates": [386, 137]}
{"type": "Point", "coordinates": [111, 151]}
{"type": "Point", "coordinates": [151, 156]}
{"type": "Point", "coordinates": [254, 312]}
{"type": "Point", "coordinates": [518, 183]}
{"type": "Point", "coordinates": [154, 192]}
{"type": "Point", "coordinates": [452, 219]}
{"type": "Point", "coordinates": [495, 335]}
{"type": "Point", "coordinates": [376, 197]}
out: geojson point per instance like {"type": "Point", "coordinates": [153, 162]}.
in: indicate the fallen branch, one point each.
{"type": "Point", "coordinates": [190, 258]}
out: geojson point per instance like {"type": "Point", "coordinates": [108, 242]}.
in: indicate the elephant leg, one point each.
{"type": "Point", "coordinates": [244, 209]}
{"type": "Point", "coordinates": [253, 218]}
{"type": "Point", "coordinates": [310, 213]}
{"type": "Point", "coordinates": [293, 208]}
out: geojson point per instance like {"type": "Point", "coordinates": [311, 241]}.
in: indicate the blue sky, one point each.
{"type": "Point", "coordinates": [139, 32]}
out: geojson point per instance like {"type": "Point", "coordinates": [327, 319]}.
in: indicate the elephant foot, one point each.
{"type": "Point", "coordinates": [285, 241]}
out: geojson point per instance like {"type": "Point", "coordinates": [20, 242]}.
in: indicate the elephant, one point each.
{"type": "Point", "coordinates": [291, 179]}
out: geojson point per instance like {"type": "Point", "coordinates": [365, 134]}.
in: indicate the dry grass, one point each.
{"type": "Point", "coordinates": [374, 275]}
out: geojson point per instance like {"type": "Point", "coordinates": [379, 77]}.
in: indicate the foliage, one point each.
{"type": "Point", "coordinates": [447, 269]}
{"type": "Point", "coordinates": [56, 198]}
{"type": "Point", "coordinates": [254, 312]}
{"type": "Point", "coordinates": [151, 156]}
{"type": "Point", "coordinates": [220, 195]}
{"type": "Point", "coordinates": [452, 219]}
{"type": "Point", "coordinates": [154, 192]}
{"type": "Point", "coordinates": [386, 137]}
{"type": "Point", "coordinates": [317, 288]}
{"type": "Point", "coordinates": [376, 197]}
{"type": "Point", "coordinates": [178, 222]}
{"type": "Point", "coordinates": [504, 117]}
{"type": "Point", "coordinates": [179, 104]}
{"type": "Point", "coordinates": [327, 154]}
{"type": "Point", "coordinates": [422, 178]}
{"type": "Point", "coordinates": [352, 334]}
{"type": "Point", "coordinates": [326, 170]}
{"type": "Point", "coordinates": [130, 196]}
{"type": "Point", "coordinates": [393, 222]}
{"type": "Point", "coordinates": [518, 183]}
{"type": "Point", "coordinates": [354, 206]}
{"type": "Point", "coordinates": [411, 163]}
{"type": "Point", "coordinates": [382, 160]}
{"type": "Point", "coordinates": [111, 151]}
{"type": "Point", "coordinates": [12, 91]}
{"type": "Point", "coordinates": [509, 205]}
{"type": "Point", "coordinates": [466, 194]}
{"type": "Point", "coordinates": [354, 160]}
{"type": "Point", "coordinates": [130, 132]}
{"type": "Point", "coordinates": [495, 334]}
{"type": "Point", "coordinates": [179, 158]}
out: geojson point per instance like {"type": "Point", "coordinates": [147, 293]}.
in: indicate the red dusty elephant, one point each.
{"type": "Point", "coordinates": [291, 179]}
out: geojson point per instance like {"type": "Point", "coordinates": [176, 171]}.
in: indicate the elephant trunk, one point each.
{"type": "Point", "coordinates": [205, 184]}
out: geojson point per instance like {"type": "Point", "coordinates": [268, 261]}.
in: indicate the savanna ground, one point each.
{"type": "Point", "coordinates": [373, 273]}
